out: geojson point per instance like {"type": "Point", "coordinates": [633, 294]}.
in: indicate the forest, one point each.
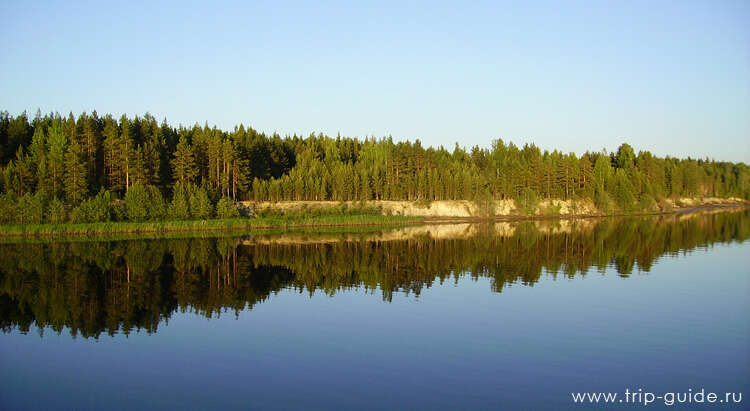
{"type": "Point", "coordinates": [94, 287]}
{"type": "Point", "coordinates": [92, 168]}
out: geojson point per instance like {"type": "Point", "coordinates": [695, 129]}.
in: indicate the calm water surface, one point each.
{"type": "Point", "coordinates": [513, 316]}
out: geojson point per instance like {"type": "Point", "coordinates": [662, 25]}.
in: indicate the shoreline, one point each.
{"type": "Point", "coordinates": [268, 224]}
{"type": "Point", "coordinates": [193, 226]}
{"type": "Point", "coordinates": [513, 218]}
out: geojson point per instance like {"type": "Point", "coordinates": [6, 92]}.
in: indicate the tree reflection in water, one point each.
{"type": "Point", "coordinates": [117, 286]}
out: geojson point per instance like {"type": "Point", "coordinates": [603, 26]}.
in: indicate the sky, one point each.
{"type": "Point", "coordinates": [671, 77]}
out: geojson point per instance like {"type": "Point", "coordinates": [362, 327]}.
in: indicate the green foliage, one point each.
{"type": "Point", "coordinates": [604, 202]}
{"type": "Point", "coordinates": [18, 175]}
{"type": "Point", "coordinates": [190, 202]}
{"type": "Point", "coordinates": [31, 207]}
{"type": "Point", "coordinates": [304, 212]}
{"type": "Point", "coordinates": [623, 191]}
{"type": "Point", "coordinates": [648, 203]}
{"type": "Point", "coordinates": [625, 158]}
{"type": "Point", "coordinates": [157, 206]}
{"type": "Point", "coordinates": [55, 158]}
{"type": "Point", "coordinates": [184, 163]}
{"type": "Point", "coordinates": [56, 213]}
{"type": "Point", "coordinates": [200, 205]}
{"type": "Point", "coordinates": [179, 208]}
{"type": "Point", "coordinates": [527, 202]}
{"type": "Point", "coordinates": [72, 158]}
{"type": "Point", "coordinates": [75, 174]}
{"type": "Point", "coordinates": [602, 173]}
{"type": "Point", "coordinates": [260, 191]}
{"type": "Point", "coordinates": [225, 208]}
{"type": "Point", "coordinates": [137, 203]}
{"type": "Point", "coordinates": [100, 207]}
{"type": "Point", "coordinates": [551, 209]}
{"type": "Point", "coordinates": [8, 208]}
{"type": "Point", "coordinates": [94, 210]}
{"type": "Point", "coordinates": [193, 226]}
{"type": "Point", "coordinates": [485, 204]}
{"type": "Point", "coordinates": [119, 211]}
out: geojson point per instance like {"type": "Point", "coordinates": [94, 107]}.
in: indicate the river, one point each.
{"type": "Point", "coordinates": [473, 316]}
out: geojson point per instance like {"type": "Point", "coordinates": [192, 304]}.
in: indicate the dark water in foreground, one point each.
{"type": "Point", "coordinates": [471, 317]}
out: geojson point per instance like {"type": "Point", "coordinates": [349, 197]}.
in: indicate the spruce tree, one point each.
{"type": "Point", "coordinates": [112, 166]}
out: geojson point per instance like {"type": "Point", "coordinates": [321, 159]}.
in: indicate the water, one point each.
{"type": "Point", "coordinates": [511, 316]}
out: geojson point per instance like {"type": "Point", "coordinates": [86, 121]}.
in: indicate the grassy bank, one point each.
{"type": "Point", "coordinates": [197, 226]}
{"type": "Point", "coordinates": [251, 233]}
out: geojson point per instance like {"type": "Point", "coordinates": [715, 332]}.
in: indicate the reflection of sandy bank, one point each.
{"type": "Point", "coordinates": [465, 230]}
{"type": "Point", "coordinates": [436, 231]}
{"type": "Point", "coordinates": [563, 225]}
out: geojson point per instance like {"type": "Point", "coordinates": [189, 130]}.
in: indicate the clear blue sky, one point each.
{"type": "Point", "coordinates": [672, 77]}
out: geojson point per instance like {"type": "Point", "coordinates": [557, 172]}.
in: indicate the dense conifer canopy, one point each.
{"type": "Point", "coordinates": [72, 159]}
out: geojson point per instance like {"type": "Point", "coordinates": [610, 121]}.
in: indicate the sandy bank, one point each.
{"type": "Point", "coordinates": [502, 208]}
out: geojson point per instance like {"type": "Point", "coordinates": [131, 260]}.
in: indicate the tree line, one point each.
{"type": "Point", "coordinates": [61, 164]}
{"type": "Point", "coordinates": [119, 286]}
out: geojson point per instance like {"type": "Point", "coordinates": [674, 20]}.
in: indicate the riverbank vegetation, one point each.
{"type": "Point", "coordinates": [99, 169]}
{"type": "Point", "coordinates": [352, 218]}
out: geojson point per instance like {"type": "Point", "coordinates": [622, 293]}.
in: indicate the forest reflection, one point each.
{"type": "Point", "coordinates": [113, 287]}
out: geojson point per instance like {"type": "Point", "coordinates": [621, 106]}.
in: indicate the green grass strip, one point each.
{"type": "Point", "coordinates": [196, 226]}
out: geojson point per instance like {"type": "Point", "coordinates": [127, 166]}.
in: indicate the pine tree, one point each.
{"type": "Point", "coordinates": [127, 150]}
{"type": "Point", "coordinates": [68, 158]}
{"type": "Point", "coordinates": [602, 173]}
{"type": "Point", "coordinates": [19, 173]}
{"type": "Point", "coordinates": [56, 157]}
{"type": "Point", "coordinates": [112, 167]}
{"type": "Point", "coordinates": [56, 213]}
{"type": "Point", "coordinates": [75, 174]}
{"type": "Point", "coordinates": [183, 164]}
{"type": "Point", "coordinates": [91, 140]}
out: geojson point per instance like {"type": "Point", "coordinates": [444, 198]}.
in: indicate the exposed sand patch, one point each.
{"type": "Point", "coordinates": [464, 208]}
